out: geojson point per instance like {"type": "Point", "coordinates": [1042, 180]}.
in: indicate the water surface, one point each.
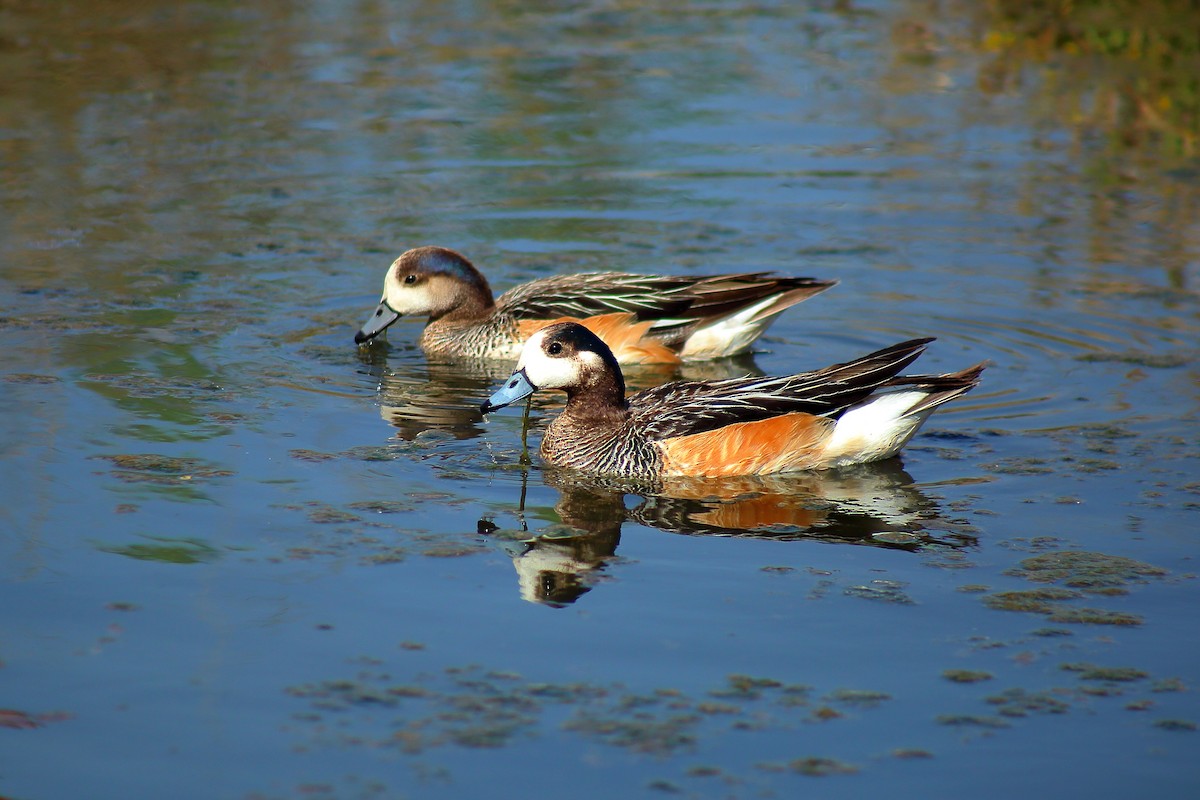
{"type": "Point", "coordinates": [240, 557]}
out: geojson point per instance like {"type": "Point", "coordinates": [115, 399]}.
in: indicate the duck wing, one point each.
{"type": "Point", "coordinates": [667, 301]}
{"type": "Point", "coordinates": [592, 293]}
{"type": "Point", "coordinates": [682, 408]}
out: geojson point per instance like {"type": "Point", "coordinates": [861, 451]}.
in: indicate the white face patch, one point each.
{"type": "Point", "coordinates": [532, 345]}
{"type": "Point", "coordinates": [547, 372]}
{"type": "Point", "coordinates": [403, 298]}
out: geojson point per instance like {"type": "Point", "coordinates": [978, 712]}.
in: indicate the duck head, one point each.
{"type": "Point", "coordinates": [432, 281]}
{"type": "Point", "coordinates": [564, 356]}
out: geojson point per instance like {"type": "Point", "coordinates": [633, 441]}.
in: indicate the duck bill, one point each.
{"type": "Point", "coordinates": [379, 319]}
{"type": "Point", "coordinates": [515, 388]}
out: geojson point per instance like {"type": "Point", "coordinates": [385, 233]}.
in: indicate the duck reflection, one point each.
{"type": "Point", "coordinates": [562, 562]}
{"type": "Point", "coordinates": [418, 395]}
{"type": "Point", "coordinates": [873, 504]}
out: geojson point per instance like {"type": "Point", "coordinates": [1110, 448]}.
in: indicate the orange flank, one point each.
{"type": "Point", "coordinates": [620, 331]}
{"type": "Point", "coordinates": [778, 444]}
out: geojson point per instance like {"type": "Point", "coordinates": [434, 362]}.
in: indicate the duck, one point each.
{"type": "Point", "coordinates": [645, 319]}
{"type": "Point", "coordinates": [844, 414]}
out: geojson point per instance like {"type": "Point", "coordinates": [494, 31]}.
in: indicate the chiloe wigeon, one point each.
{"type": "Point", "coordinates": [645, 319]}
{"type": "Point", "coordinates": [844, 414]}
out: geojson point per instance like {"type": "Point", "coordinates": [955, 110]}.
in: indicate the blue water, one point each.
{"type": "Point", "coordinates": [240, 558]}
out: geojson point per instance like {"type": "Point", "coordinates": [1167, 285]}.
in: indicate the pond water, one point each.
{"type": "Point", "coordinates": [242, 558]}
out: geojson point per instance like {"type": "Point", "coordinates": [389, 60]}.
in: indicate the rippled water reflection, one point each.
{"type": "Point", "coordinates": [240, 557]}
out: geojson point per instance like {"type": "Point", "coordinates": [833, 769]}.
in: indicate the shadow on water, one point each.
{"type": "Point", "coordinates": [874, 504]}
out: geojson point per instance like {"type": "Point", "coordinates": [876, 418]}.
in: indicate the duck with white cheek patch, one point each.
{"type": "Point", "coordinates": [845, 414]}
{"type": "Point", "coordinates": [645, 319]}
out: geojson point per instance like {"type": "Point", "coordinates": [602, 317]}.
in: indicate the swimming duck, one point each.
{"type": "Point", "coordinates": [645, 319]}
{"type": "Point", "coordinates": [844, 414]}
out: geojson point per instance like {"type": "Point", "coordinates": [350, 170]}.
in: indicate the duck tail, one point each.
{"type": "Point", "coordinates": [733, 311]}
{"type": "Point", "coordinates": [879, 426]}
{"type": "Point", "coordinates": [940, 389]}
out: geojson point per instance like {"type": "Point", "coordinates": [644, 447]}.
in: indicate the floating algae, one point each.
{"type": "Point", "coordinates": [966, 675]}
{"type": "Point", "coordinates": [1020, 703]}
{"type": "Point", "coordinates": [1085, 570]}
{"type": "Point", "coordinates": [1080, 573]}
{"type": "Point", "coordinates": [1037, 601]}
{"type": "Point", "coordinates": [1091, 672]}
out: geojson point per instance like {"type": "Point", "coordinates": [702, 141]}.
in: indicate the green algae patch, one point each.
{"type": "Point", "coordinates": [655, 736]}
{"type": "Point", "coordinates": [323, 514]}
{"type": "Point", "coordinates": [1036, 601]}
{"type": "Point", "coordinates": [160, 469]}
{"type": "Point", "coordinates": [1019, 465]}
{"type": "Point", "coordinates": [1094, 616]}
{"type": "Point", "coordinates": [452, 550]}
{"type": "Point", "coordinates": [315, 456]}
{"type": "Point", "coordinates": [1085, 570]}
{"type": "Point", "coordinates": [972, 721]}
{"type": "Point", "coordinates": [1080, 574]}
{"type": "Point", "coordinates": [810, 766]}
{"type": "Point", "coordinates": [1051, 633]}
{"type": "Point", "coordinates": [1021, 703]}
{"type": "Point", "coordinates": [825, 714]}
{"type": "Point", "coordinates": [30, 378]}
{"type": "Point", "coordinates": [167, 550]}
{"type": "Point", "coordinates": [864, 698]}
{"type": "Point", "coordinates": [1091, 672]}
{"type": "Point", "coordinates": [1175, 724]}
{"type": "Point", "coordinates": [966, 675]}
{"type": "Point", "coordinates": [745, 687]}
{"type": "Point", "coordinates": [381, 506]}
{"type": "Point", "coordinates": [478, 708]}
{"type": "Point", "coordinates": [911, 753]}
{"type": "Point", "coordinates": [390, 555]}
{"type": "Point", "coordinates": [815, 767]}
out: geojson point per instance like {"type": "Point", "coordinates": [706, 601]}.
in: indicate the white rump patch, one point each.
{"type": "Point", "coordinates": [730, 335]}
{"type": "Point", "coordinates": [876, 428]}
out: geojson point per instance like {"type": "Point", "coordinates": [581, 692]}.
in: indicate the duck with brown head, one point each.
{"type": "Point", "coordinates": [645, 319]}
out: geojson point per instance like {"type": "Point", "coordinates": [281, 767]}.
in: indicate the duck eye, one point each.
{"type": "Point", "coordinates": [554, 349]}
{"type": "Point", "coordinates": [410, 279]}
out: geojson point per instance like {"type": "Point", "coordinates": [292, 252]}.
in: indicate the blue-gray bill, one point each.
{"type": "Point", "coordinates": [379, 319]}
{"type": "Point", "coordinates": [515, 388]}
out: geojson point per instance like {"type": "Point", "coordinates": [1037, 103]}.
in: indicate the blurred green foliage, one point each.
{"type": "Point", "coordinates": [1125, 69]}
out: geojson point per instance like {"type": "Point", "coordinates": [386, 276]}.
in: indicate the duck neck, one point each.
{"type": "Point", "coordinates": [603, 397]}
{"type": "Point", "coordinates": [470, 303]}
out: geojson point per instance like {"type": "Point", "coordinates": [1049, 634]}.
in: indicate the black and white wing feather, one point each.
{"type": "Point", "coordinates": [668, 301]}
{"type": "Point", "coordinates": [687, 407]}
